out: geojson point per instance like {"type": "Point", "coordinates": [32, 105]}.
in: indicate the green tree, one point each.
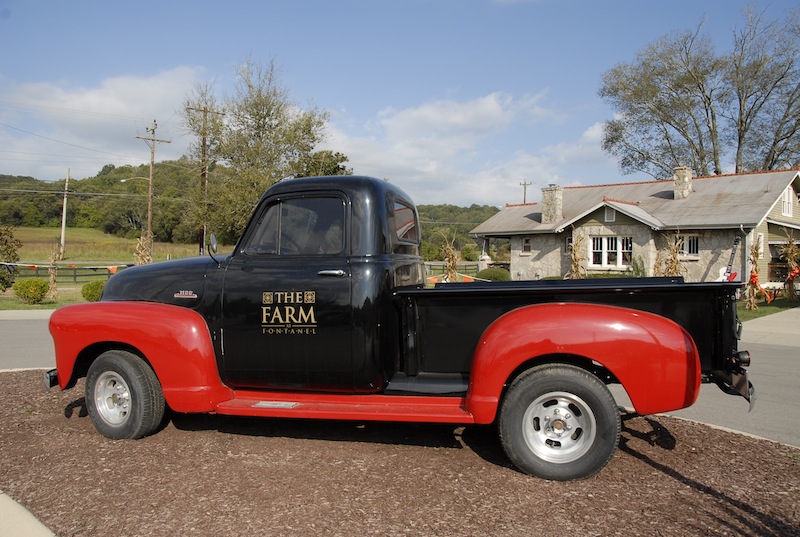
{"type": "Point", "coordinates": [321, 163]}
{"type": "Point", "coordinates": [437, 221]}
{"type": "Point", "coordinates": [262, 138]}
{"type": "Point", "coordinates": [681, 103]}
{"type": "Point", "coordinates": [9, 253]}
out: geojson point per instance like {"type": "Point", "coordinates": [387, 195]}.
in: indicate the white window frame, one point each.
{"type": "Point", "coordinates": [612, 251]}
{"type": "Point", "coordinates": [787, 201]}
{"type": "Point", "coordinates": [689, 245]}
{"type": "Point", "coordinates": [611, 214]}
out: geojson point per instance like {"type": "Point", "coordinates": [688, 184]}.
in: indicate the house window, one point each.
{"type": "Point", "coordinates": [688, 245]}
{"type": "Point", "coordinates": [611, 252]}
{"type": "Point", "coordinates": [786, 201]}
{"type": "Point", "coordinates": [526, 245]}
{"type": "Point", "coordinates": [611, 214]}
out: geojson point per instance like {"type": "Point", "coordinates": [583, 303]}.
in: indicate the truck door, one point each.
{"type": "Point", "coordinates": [286, 306]}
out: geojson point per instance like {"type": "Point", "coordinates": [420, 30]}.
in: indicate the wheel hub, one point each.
{"type": "Point", "coordinates": [557, 425]}
{"type": "Point", "coordinates": [113, 398]}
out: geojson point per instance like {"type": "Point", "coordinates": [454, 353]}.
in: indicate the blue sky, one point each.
{"type": "Point", "coordinates": [456, 101]}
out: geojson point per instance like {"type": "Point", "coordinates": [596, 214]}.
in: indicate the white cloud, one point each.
{"type": "Point", "coordinates": [458, 152]}
{"type": "Point", "coordinates": [444, 151]}
{"type": "Point", "coordinates": [53, 126]}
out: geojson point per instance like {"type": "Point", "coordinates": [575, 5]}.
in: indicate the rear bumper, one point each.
{"type": "Point", "coordinates": [50, 378]}
{"type": "Point", "coordinates": [735, 383]}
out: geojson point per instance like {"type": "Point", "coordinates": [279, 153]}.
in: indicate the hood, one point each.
{"type": "Point", "coordinates": [180, 282]}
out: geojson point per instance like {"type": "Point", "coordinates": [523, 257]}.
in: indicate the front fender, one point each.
{"type": "Point", "coordinates": [174, 340]}
{"type": "Point", "coordinates": [654, 358]}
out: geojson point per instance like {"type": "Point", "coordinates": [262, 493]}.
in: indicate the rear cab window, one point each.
{"type": "Point", "coordinates": [404, 228]}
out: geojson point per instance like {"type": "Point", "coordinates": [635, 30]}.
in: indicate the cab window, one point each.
{"type": "Point", "coordinates": [405, 236]}
{"type": "Point", "coordinates": [302, 226]}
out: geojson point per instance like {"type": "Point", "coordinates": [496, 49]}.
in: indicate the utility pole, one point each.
{"type": "Point", "coordinates": [203, 172]}
{"type": "Point", "coordinates": [524, 186]}
{"type": "Point", "coordinates": [64, 220]}
{"type": "Point", "coordinates": [151, 141]}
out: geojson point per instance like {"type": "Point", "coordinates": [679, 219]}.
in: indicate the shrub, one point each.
{"type": "Point", "coordinates": [8, 253]}
{"type": "Point", "coordinates": [496, 274]}
{"type": "Point", "coordinates": [470, 252]}
{"type": "Point", "coordinates": [93, 290]}
{"type": "Point", "coordinates": [31, 290]}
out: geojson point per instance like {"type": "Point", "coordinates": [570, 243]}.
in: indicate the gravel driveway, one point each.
{"type": "Point", "coordinates": [213, 476]}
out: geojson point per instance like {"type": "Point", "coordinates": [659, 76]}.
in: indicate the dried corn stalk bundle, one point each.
{"type": "Point", "coordinates": [668, 260]}
{"type": "Point", "coordinates": [577, 270]}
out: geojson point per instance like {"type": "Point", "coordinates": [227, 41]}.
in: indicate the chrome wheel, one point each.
{"type": "Point", "coordinates": [559, 427]}
{"type": "Point", "coordinates": [560, 422]}
{"type": "Point", "coordinates": [123, 396]}
{"type": "Point", "coordinates": [112, 398]}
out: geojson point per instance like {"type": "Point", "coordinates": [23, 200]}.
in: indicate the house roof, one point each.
{"type": "Point", "coordinates": [716, 202]}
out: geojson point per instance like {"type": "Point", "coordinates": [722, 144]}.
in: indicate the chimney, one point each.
{"type": "Point", "coordinates": [552, 204]}
{"type": "Point", "coordinates": [682, 182]}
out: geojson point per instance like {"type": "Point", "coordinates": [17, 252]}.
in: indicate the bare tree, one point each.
{"type": "Point", "coordinates": [681, 103]}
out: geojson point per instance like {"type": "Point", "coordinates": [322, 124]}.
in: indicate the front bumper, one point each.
{"type": "Point", "coordinates": [50, 378]}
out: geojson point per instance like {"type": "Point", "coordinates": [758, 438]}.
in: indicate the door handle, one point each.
{"type": "Point", "coordinates": [339, 273]}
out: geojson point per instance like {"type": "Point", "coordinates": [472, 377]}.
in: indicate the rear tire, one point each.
{"type": "Point", "coordinates": [559, 422]}
{"type": "Point", "coordinates": [123, 396]}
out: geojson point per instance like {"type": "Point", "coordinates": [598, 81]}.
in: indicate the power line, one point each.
{"type": "Point", "coordinates": [99, 194]}
{"type": "Point", "coordinates": [60, 141]}
{"type": "Point", "coordinates": [81, 113]}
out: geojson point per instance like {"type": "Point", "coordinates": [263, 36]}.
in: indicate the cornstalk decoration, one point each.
{"type": "Point", "coordinates": [791, 253]}
{"type": "Point", "coordinates": [668, 259]}
{"type": "Point", "coordinates": [142, 255]}
{"type": "Point", "coordinates": [752, 285]}
{"type": "Point", "coordinates": [451, 258]}
{"type": "Point", "coordinates": [52, 292]}
{"type": "Point", "coordinates": [577, 271]}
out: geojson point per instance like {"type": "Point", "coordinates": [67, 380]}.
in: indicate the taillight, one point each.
{"type": "Point", "coordinates": [742, 359]}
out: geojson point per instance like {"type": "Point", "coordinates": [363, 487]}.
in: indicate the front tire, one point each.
{"type": "Point", "coordinates": [559, 422]}
{"type": "Point", "coordinates": [123, 396]}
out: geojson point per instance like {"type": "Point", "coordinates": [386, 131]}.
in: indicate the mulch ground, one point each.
{"type": "Point", "coordinates": [213, 476]}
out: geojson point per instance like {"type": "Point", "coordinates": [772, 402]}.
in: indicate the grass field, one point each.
{"type": "Point", "coordinates": [83, 247]}
{"type": "Point", "coordinates": [90, 245]}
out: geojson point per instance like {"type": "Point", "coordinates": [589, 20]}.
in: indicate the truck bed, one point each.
{"type": "Point", "coordinates": [448, 320]}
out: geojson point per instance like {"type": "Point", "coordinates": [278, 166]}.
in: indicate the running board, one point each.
{"type": "Point", "coordinates": [348, 407]}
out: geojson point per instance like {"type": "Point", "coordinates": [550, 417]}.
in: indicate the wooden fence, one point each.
{"type": "Point", "coordinates": [65, 274]}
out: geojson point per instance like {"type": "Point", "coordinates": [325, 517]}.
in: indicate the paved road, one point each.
{"type": "Point", "coordinates": [25, 341]}
{"type": "Point", "coordinates": [774, 343]}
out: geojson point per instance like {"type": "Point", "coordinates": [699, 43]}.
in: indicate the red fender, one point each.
{"type": "Point", "coordinates": [653, 357]}
{"type": "Point", "coordinates": [174, 340]}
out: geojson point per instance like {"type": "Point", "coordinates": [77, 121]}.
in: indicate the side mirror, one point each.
{"type": "Point", "coordinates": [212, 248]}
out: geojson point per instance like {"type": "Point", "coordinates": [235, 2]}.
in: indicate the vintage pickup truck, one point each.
{"type": "Point", "coordinates": [321, 312]}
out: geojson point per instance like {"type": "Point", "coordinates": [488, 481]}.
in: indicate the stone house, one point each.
{"type": "Point", "coordinates": [619, 226]}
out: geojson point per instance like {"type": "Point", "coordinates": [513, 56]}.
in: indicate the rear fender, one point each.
{"type": "Point", "coordinates": [175, 341]}
{"type": "Point", "coordinates": [654, 359]}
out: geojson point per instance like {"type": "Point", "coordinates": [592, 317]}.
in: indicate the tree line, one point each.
{"type": "Point", "coordinates": [115, 202]}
